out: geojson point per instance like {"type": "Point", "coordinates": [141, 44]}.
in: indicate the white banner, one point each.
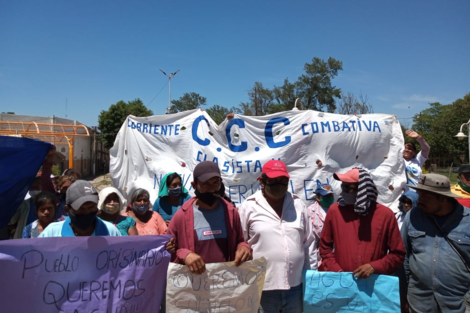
{"type": "Point", "coordinates": [223, 287]}
{"type": "Point", "coordinates": [147, 148]}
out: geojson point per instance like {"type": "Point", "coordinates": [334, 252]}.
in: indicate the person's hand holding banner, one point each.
{"type": "Point", "coordinates": [364, 271]}
{"type": "Point", "coordinates": [195, 263]}
{"type": "Point", "coordinates": [242, 255]}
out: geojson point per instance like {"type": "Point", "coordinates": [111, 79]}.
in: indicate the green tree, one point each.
{"type": "Point", "coordinates": [218, 113]}
{"type": "Point", "coordinates": [110, 121]}
{"type": "Point", "coordinates": [188, 101]}
{"type": "Point", "coordinates": [285, 95]}
{"type": "Point", "coordinates": [315, 88]}
{"type": "Point", "coordinates": [438, 124]}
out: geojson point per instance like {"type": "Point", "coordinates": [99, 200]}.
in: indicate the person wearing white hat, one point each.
{"type": "Point", "coordinates": [437, 242]}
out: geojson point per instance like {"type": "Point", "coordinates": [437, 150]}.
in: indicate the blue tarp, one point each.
{"type": "Point", "coordinates": [20, 160]}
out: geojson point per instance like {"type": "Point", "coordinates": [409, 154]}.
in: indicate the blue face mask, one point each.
{"type": "Point", "coordinates": [175, 192]}
{"type": "Point", "coordinates": [140, 209]}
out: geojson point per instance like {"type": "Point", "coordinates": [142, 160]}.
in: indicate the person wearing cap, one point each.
{"type": "Point", "coordinates": [324, 198]}
{"type": "Point", "coordinates": [437, 241]}
{"type": "Point", "coordinates": [414, 160]}
{"type": "Point", "coordinates": [207, 228]}
{"type": "Point", "coordinates": [277, 225]}
{"type": "Point", "coordinates": [462, 188]}
{"type": "Point", "coordinates": [82, 208]}
{"type": "Point", "coordinates": [360, 235]}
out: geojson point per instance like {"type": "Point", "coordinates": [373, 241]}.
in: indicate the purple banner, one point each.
{"type": "Point", "coordinates": [84, 274]}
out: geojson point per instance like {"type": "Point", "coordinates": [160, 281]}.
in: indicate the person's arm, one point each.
{"type": "Point", "coordinates": [327, 242]}
{"type": "Point", "coordinates": [425, 148]}
{"type": "Point", "coordinates": [244, 251]}
{"type": "Point", "coordinates": [132, 231]}
{"type": "Point", "coordinates": [391, 262]}
{"type": "Point", "coordinates": [308, 239]}
{"type": "Point", "coordinates": [181, 253]}
{"type": "Point", "coordinates": [161, 225]}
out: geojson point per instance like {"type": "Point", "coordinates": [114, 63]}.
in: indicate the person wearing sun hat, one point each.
{"type": "Point", "coordinates": [437, 241]}
{"type": "Point", "coordinates": [462, 187]}
{"type": "Point", "coordinates": [324, 198]}
{"type": "Point", "coordinates": [276, 224]}
{"type": "Point", "coordinates": [359, 234]}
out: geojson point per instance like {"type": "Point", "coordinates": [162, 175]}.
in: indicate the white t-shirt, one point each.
{"type": "Point", "coordinates": [413, 169]}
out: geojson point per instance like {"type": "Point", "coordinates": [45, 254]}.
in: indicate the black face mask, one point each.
{"type": "Point", "coordinates": [82, 222]}
{"type": "Point", "coordinates": [276, 191]}
{"type": "Point", "coordinates": [208, 198]}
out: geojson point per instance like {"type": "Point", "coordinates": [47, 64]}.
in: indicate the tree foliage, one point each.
{"type": "Point", "coordinates": [438, 124]}
{"type": "Point", "coordinates": [188, 101]}
{"type": "Point", "coordinates": [110, 121]}
{"type": "Point", "coordinates": [218, 113]}
{"type": "Point", "coordinates": [315, 86]}
{"type": "Point", "coordinates": [349, 104]}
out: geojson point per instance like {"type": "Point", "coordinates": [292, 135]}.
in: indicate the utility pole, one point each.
{"type": "Point", "coordinates": [169, 80]}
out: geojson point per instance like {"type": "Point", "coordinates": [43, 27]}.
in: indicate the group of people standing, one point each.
{"type": "Point", "coordinates": [427, 244]}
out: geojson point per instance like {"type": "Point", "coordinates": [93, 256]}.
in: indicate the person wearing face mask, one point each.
{"type": "Point", "coordinates": [171, 197]}
{"type": "Point", "coordinates": [324, 198]}
{"type": "Point", "coordinates": [277, 225]}
{"type": "Point", "coordinates": [147, 221]}
{"type": "Point", "coordinates": [82, 208]}
{"type": "Point", "coordinates": [207, 229]}
{"type": "Point", "coordinates": [360, 235]}
{"type": "Point", "coordinates": [110, 203]}
{"type": "Point", "coordinates": [407, 201]}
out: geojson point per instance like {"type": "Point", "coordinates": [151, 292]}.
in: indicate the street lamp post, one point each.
{"type": "Point", "coordinates": [295, 105]}
{"type": "Point", "coordinates": [169, 80]}
{"type": "Point", "coordinates": [461, 136]}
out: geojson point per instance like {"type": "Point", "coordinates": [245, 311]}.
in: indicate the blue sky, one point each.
{"type": "Point", "coordinates": [401, 54]}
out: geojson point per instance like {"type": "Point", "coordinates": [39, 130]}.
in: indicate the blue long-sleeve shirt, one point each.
{"type": "Point", "coordinates": [437, 277]}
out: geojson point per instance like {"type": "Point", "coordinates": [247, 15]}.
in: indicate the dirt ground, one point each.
{"type": "Point", "coordinates": [101, 182]}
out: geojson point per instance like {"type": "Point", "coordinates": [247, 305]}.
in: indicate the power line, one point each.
{"type": "Point", "coordinates": [158, 93]}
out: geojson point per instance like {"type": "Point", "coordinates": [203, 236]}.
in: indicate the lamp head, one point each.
{"type": "Point", "coordinates": [460, 136]}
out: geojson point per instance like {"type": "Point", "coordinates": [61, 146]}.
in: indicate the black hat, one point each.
{"type": "Point", "coordinates": [465, 168]}
{"type": "Point", "coordinates": [206, 170]}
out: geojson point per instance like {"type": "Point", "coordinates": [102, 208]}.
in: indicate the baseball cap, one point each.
{"type": "Point", "coordinates": [351, 176]}
{"type": "Point", "coordinates": [206, 170]}
{"type": "Point", "coordinates": [323, 189]}
{"type": "Point", "coordinates": [275, 168]}
{"type": "Point", "coordinates": [80, 192]}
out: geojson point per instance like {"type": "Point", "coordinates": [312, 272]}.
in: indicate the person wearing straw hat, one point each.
{"type": "Point", "coordinates": [462, 188]}
{"type": "Point", "coordinates": [437, 241]}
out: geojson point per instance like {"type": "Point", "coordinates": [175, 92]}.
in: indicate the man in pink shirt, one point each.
{"type": "Point", "coordinates": [360, 235]}
{"type": "Point", "coordinates": [207, 228]}
{"type": "Point", "coordinates": [276, 224]}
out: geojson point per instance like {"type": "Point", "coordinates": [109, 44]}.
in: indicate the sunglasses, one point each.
{"type": "Point", "coordinates": [407, 202]}
{"type": "Point", "coordinates": [349, 187]}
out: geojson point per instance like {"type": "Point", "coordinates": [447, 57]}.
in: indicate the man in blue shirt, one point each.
{"type": "Point", "coordinates": [437, 240]}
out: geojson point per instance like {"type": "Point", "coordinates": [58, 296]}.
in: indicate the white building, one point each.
{"type": "Point", "coordinates": [76, 141]}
